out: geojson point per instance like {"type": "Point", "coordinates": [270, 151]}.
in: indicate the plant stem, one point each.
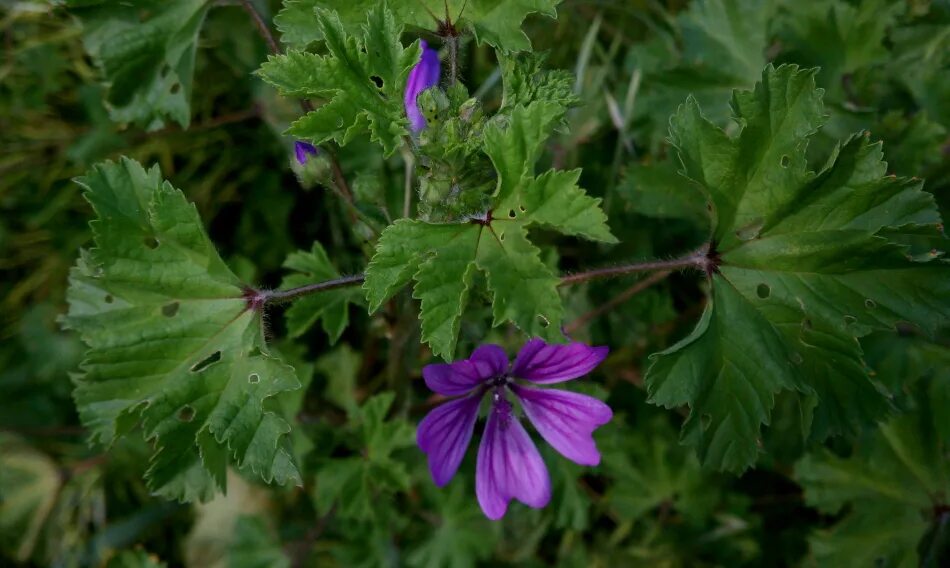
{"type": "Point", "coordinates": [261, 26]}
{"type": "Point", "coordinates": [698, 259]}
{"type": "Point", "coordinates": [617, 300]}
{"type": "Point", "coordinates": [282, 296]}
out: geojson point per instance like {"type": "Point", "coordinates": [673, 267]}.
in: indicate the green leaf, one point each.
{"type": "Point", "coordinates": [255, 545]}
{"type": "Point", "coordinates": [889, 485]}
{"type": "Point", "coordinates": [355, 484]}
{"type": "Point", "coordinates": [516, 144]}
{"type": "Point", "coordinates": [525, 81]}
{"type": "Point", "coordinates": [840, 36]}
{"type": "Point", "coordinates": [146, 53]}
{"type": "Point", "coordinates": [362, 79]}
{"type": "Point", "coordinates": [715, 46]}
{"type": "Point", "coordinates": [29, 485]}
{"type": "Point", "coordinates": [554, 199]}
{"type": "Point", "coordinates": [441, 259]}
{"type": "Point", "coordinates": [804, 268]}
{"type": "Point", "coordinates": [495, 22]}
{"type": "Point", "coordinates": [658, 190]}
{"type": "Point", "coordinates": [461, 536]}
{"type": "Point", "coordinates": [173, 344]}
{"type": "Point", "coordinates": [330, 307]}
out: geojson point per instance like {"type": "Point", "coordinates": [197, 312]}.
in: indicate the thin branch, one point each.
{"type": "Point", "coordinates": [617, 300]}
{"type": "Point", "coordinates": [699, 259]}
{"type": "Point", "coordinates": [261, 26]}
{"type": "Point", "coordinates": [282, 296]}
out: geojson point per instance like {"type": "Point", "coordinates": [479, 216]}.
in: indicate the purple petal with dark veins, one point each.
{"type": "Point", "coordinates": [542, 363]}
{"type": "Point", "coordinates": [509, 465]}
{"type": "Point", "coordinates": [460, 377]}
{"type": "Point", "coordinates": [566, 420]}
{"type": "Point", "coordinates": [424, 75]}
{"type": "Point", "coordinates": [444, 434]}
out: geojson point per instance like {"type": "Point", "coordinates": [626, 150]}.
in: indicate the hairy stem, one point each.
{"type": "Point", "coordinates": [700, 260]}
{"type": "Point", "coordinates": [281, 296]}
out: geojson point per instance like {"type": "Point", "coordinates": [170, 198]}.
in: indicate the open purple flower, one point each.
{"type": "Point", "coordinates": [509, 465]}
{"type": "Point", "coordinates": [423, 76]}
{"type": "Point", "coordinates": [303, 150]}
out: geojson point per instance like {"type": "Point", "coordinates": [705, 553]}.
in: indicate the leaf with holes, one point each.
{"type": "Point", "coordinates": [146, 53]}
{"type": "Point", "coordinates": [442, 259]}
{"type": "Point", "coordinates": [495, 22]}
{"type": "Point", "coordinates": [893, 489]}
{"type": "Point", "coordinates": [173, 344]}
{"type": "Point", "coordinates": [807, 263]}
{"type": "Point", "coordinates": [330, 307]}
{"type": "Point", "coordinates": [362, 78]}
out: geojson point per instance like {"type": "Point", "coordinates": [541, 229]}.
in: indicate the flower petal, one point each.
{"type": "Point", "coordinates": [460, 377]}
{"type": "Point", "coordinates": [566, 420]}
{"type": "Point", "coordinates": [424, 75]}
{"type": "Point", "coordinates": [444, 434]}
{"type": "Point", "coordinates": [303, 150]}
{"type": "Point", "coordinates": [509, 465]}
{"type": "Point", "coordinates": [543, 364]}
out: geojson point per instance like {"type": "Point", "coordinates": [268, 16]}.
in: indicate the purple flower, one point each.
{"type": "Point", "coordinates": [509, 465]}
{"type": "Point", "coordinates": [424, 75]}
{"type": "Point", "coordinates": [303, 150]}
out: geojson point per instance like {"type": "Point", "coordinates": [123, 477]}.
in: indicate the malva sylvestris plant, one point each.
{"type": "Point", "coordinates": [456, 220]}
{"type": "Point", "coordinates": [509, 465]}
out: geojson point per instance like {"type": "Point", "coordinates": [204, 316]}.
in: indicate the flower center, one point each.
{"type": "Point", "coordinates": [501, 380]}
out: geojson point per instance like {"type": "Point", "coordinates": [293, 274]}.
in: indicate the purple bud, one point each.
{"type": "Point", "coordinates": [424, 75]}
{"type": "Point", "coordinates": [303, 150]}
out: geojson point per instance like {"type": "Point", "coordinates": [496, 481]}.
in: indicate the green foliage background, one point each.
{"type": "Point", "coordinates": [830, 485]}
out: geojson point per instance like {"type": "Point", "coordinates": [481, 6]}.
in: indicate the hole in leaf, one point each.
{"type": "Point", "coordinates": [785, 160]}
{"type": "Point", "coordinates": [175, 88]}
{"type": "Point", "coordinates": [870, 304]}
{"type": "Point", "coordinates": [797, 359]}
{"type": "Point", "coordinates": [511, 214]}
{"type": "Point", "coordinates": [377, 80]}
{"type": "Point", "coordinates": [522, 209]}
{"type": "Point", "coordinates": [763, 291]}
{"type": "Point", "coordinates": [709, 206]}
{"type": "Point", "coordinates": [253, 378]}
{"type": "Point", "coordinates": [704, 421]}
{"type": "Point", "coordinates": [545, 322]}
{"type": "Point", "coordinates": [501, 237]}
{"type": "Point", "coordinates": [806, 323]}
{"type": "Point", "coordinates": [108, 299]}
{"type": "Point", "coordinates": [169, 310]}
{"type": "Point", "coordinates": [151, 242]}
{"type": "Point", "coordinates": [206, 362]}
{"type": "Point", "coordinates": [848, 320]}
{"type": "Point", "coordinates": [186, 413]}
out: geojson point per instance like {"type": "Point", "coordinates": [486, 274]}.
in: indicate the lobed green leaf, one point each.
{"type": "Point", "coordinates": [173, 344]}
